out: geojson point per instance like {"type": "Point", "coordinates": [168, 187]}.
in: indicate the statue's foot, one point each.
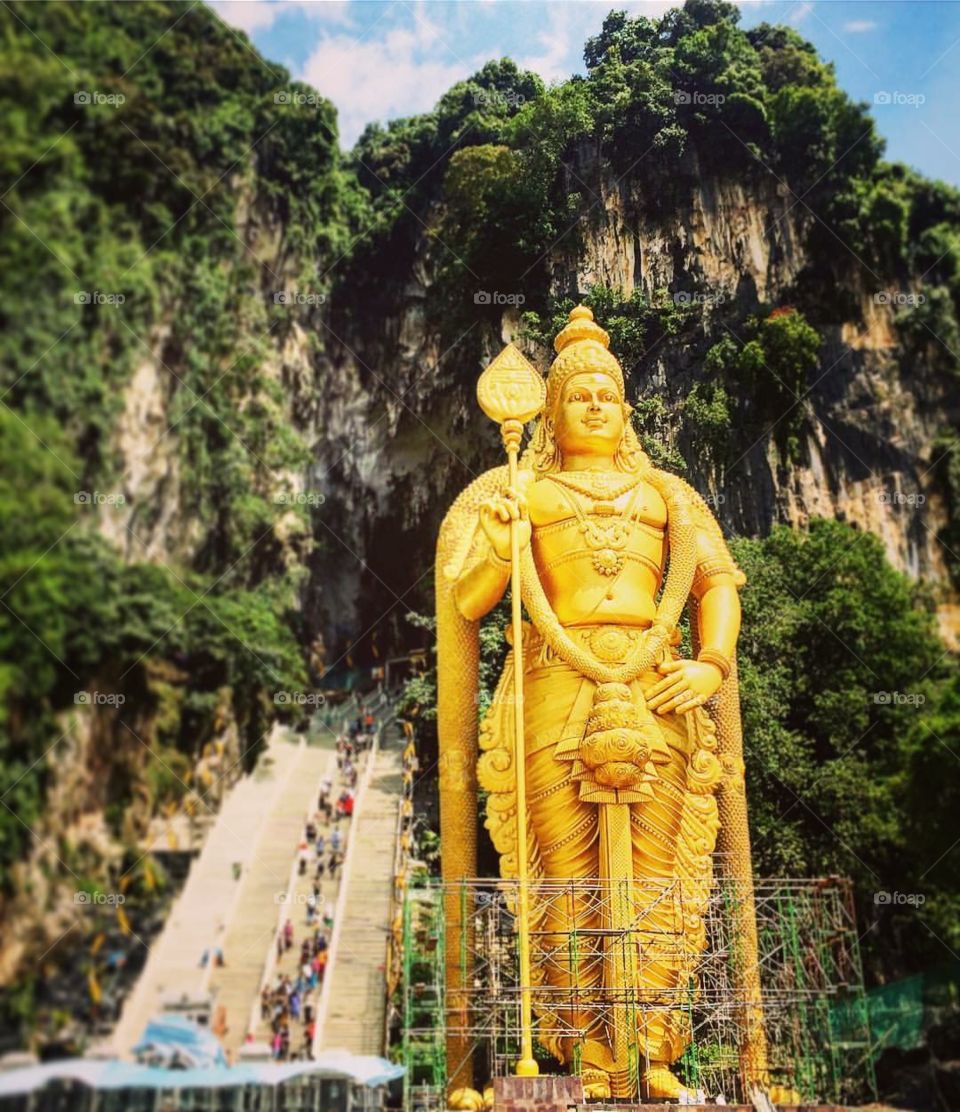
{"type": "Point", "coordinates": [465, 1100]}
{"type": "Point", "coordinates": [596, 1084]}
{"type": "Point", "coordinates": [763, 1094]}
{"type": "Point", "coordinates": [659, 1083]}
{"type": "Point", "coordinates": [783, 1094]}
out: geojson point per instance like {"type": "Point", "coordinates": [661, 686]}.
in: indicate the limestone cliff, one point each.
{"type": "Point", "coordinates": [402, 432]}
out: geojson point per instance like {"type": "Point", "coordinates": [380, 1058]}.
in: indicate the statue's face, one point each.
{"type": "Point", "coordinates": [588, 418]}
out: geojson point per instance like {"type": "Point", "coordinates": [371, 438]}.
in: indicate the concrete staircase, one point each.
{"type": "Point", "coordinates": [352, 1011]}
{"type": "Point", "coordinates": [295, 909]}
{"type": "Point", "coordinates": [267, 883]}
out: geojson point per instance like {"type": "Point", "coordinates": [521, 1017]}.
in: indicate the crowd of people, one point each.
{"type": "Point", "coordinates": [288, 1004]}
{"type": "Point", "coordinates": [292, 1000]}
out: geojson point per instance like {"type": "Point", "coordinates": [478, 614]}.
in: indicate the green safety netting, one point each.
{"type": "Point", "coordinates": [899, 1013]}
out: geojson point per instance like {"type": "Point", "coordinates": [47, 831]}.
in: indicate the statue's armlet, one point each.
{"type": "Point", "coordinates": [715, 565]}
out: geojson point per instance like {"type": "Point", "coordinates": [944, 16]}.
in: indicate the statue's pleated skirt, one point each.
{"type": "Point", "coordinates": [671, 836]}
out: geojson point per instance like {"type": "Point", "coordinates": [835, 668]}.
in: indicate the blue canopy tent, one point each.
{"type": "Point", "coordinates": [358, 1077]}
{"type": "Point", "coordinates": [176, 1042]}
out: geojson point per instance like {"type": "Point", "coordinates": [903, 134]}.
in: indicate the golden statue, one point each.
{"type": "Point", "coordinates": [632, 755]}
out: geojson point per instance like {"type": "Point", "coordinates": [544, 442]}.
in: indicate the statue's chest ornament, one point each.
{"type": "Point", "coordinates": [607, 543]}
{"type": "Point", "coordinates": [606, 540]}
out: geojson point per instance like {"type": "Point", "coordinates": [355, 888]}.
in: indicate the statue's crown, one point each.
{"type": "Point", "coordinates": [582, 346]}
{"type": "Point", "coordinates": [580, 326]}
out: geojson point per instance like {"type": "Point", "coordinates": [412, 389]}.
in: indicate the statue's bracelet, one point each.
{"type": "Point", "coordinates": [712, 656]}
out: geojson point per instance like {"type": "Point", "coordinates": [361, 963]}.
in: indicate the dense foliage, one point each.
{"type": "Point", "coordinates": [146, 150]}
{"type": "Point", "coordinates": [848, 704]}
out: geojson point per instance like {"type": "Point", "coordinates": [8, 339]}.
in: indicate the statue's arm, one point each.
{"type": "Point", "coordinates": [481, 584]}
{"type": "Point", "coordinates": [483, 581]}
{"type": "Point", "coordinates": [716, 586]}
{"type": "Point", "coordinates": [718, 616]}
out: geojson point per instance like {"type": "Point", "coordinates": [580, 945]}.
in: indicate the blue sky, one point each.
{"type": "Point", "coordinates": [377, 60]}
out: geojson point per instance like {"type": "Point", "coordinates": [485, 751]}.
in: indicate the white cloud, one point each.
{"type": "Point", "coordinates": [401, 73]}
{"type": "Point", "coordinates": [552, 61]}
{"type": "Point", "coordinates": [799, 13]}
{"type": "Point", "coordinates": [260, 15]}
{"type": "Point", "coordinates": [859, 26]}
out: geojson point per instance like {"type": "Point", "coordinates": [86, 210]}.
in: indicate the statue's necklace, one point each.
{"type": "Point", "coordinates": [606, 542]}
{"type": "Point", "coordinates": [595, 484]}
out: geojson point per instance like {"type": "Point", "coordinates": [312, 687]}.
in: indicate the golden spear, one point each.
{"type": "Point", "coordinates": [512, 392]}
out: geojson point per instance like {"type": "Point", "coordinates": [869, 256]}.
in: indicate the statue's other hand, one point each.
{"type": "Point", "coordinates": [496, 515]}
{"type": "Point", "coordinates": [686, 684]}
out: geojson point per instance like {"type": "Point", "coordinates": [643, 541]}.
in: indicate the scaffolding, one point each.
{"type": "Point", "coordinates": [815, 1008]}
{"type": "Point", "coordinates": [423, 1033]}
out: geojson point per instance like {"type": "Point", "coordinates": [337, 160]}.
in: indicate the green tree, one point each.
{"type": "Point", "coordinates": [842, 678]}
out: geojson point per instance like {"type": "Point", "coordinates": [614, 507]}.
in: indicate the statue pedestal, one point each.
{"type": "Point", "coordinates": [552, 1093]}
{"type": "Point", "coordinates": [548, 1093]}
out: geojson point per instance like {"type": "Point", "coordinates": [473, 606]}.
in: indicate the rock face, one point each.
{"type": "Point", "coordinates": [386, 400]}
{"type": "Point", "coordinates": [150, 524]}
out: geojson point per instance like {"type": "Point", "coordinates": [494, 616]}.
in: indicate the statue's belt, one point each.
{"type": "Point", "coordinates": [608, 643]}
